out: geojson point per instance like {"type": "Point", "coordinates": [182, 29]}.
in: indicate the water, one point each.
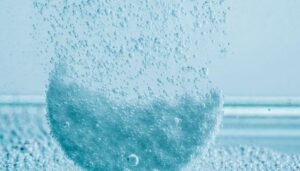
{"type": "Point", "coordinates": [133, 51]}
{"type": "Point", "coordinates": [128, 88]}
{"type": "Point", "coordinates": [100, 134]}
{"type": "Point", "coordinates": [26, 143]}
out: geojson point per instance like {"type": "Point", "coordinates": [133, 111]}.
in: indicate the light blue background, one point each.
{"type": "Point", "coordinates": [262, 60]}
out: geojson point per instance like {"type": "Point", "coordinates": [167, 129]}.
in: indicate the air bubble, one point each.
{"type": "Point", "coordinates": [133, 160]}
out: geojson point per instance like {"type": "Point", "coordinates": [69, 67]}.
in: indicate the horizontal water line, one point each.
{"type": "Point", "coordinates": [260, 133]}
{"type": "Point", "coordinates": [229, 101]}
{"type": "Point", "coordinates": [262, 101]}
{"type": "Point", "coordinates": [262, 111]}
{"type": "Point", "coordinates": [233, 106]}
{"type": "Point", "coordinates": [22, 100]}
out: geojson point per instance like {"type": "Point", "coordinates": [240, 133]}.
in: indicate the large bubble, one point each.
{"type": "Point", "coordinates": [129, 88]}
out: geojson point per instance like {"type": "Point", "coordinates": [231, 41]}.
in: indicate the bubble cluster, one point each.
{"type": "Point", "coordinates": [104, 135]}
{"type": "Point", "coordinates": [25, 142]}
{"type": "Point", "coordinates": [129, 86]}
{"type": "Point", "coordinates": [244, 158]}
{"type": "Point", "coordinates": [134, 50]}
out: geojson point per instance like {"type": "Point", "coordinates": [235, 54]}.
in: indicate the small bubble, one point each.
{"type": "Point", "coordinates": [133, 159]}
